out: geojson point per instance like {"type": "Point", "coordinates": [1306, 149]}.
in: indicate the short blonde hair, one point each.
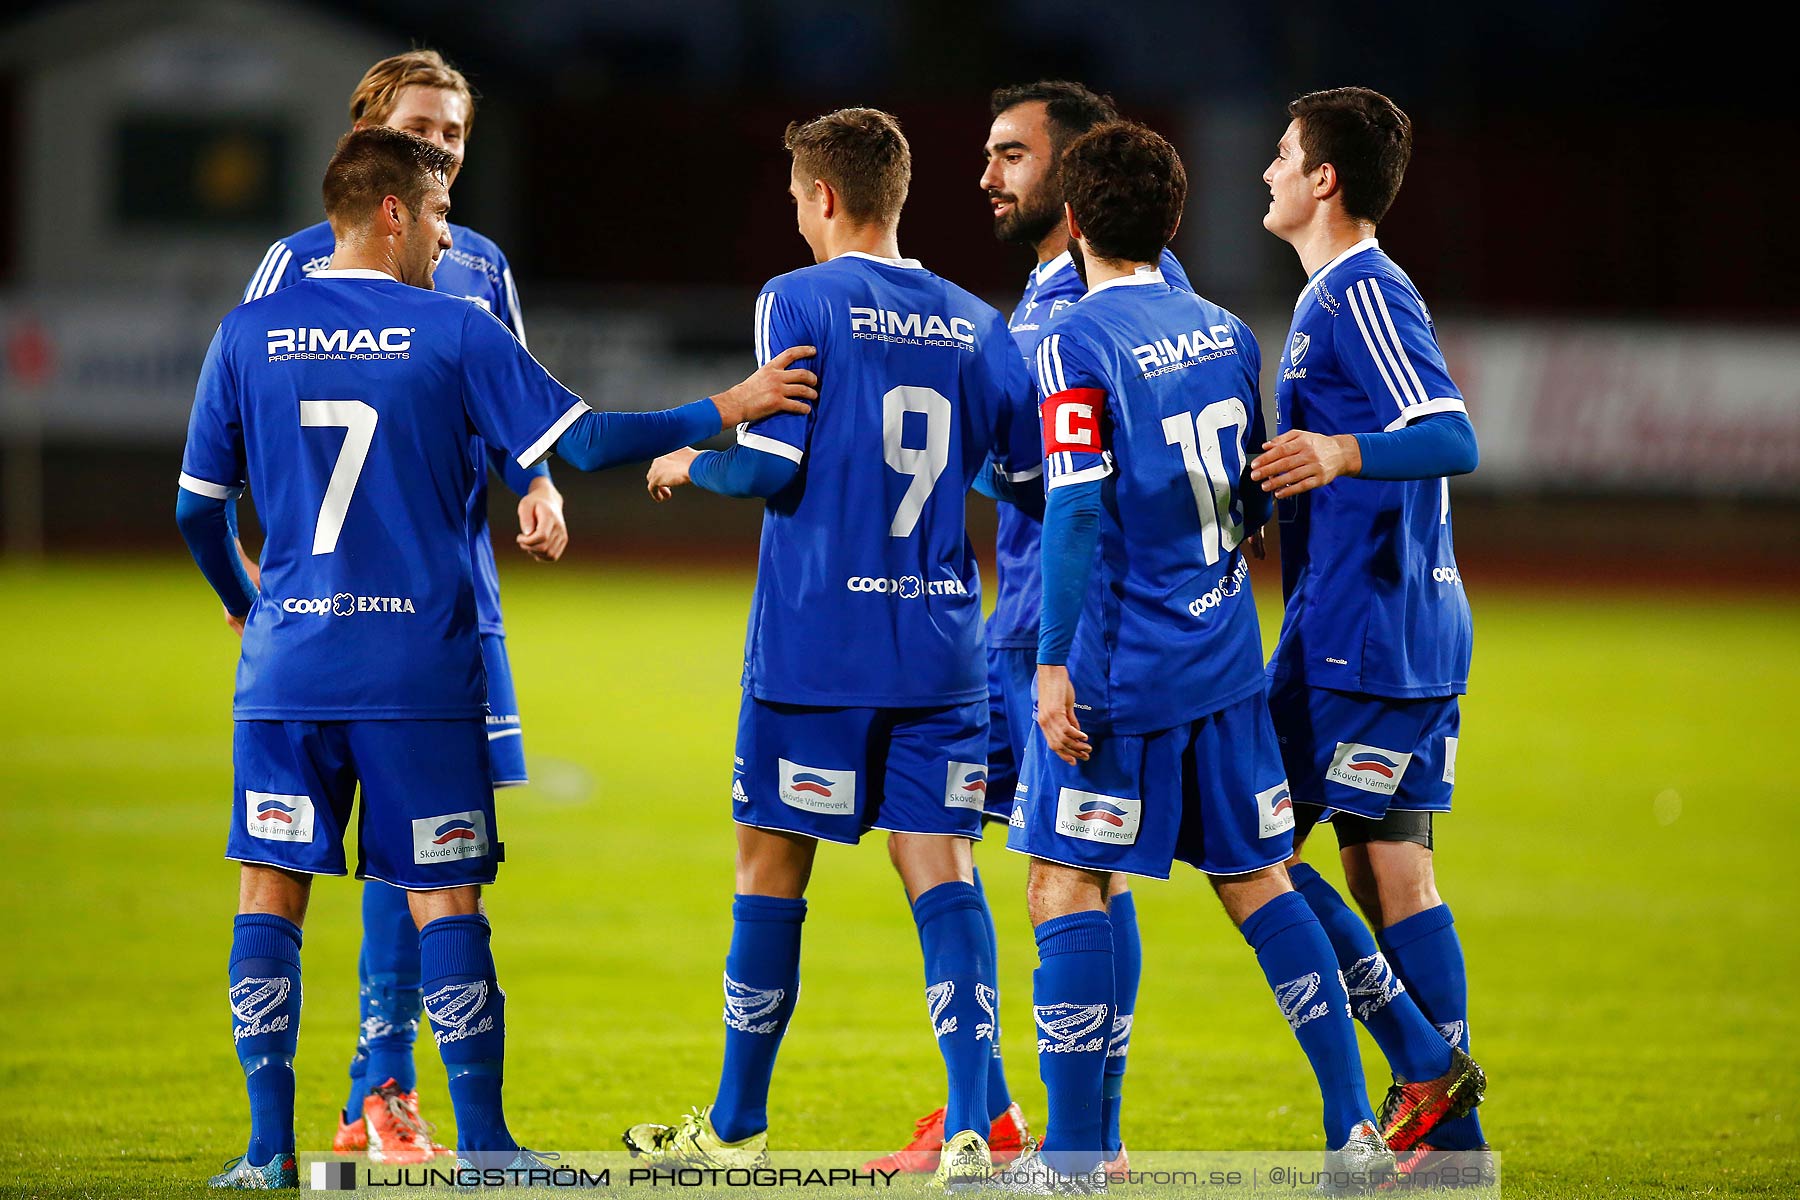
{"type": "Point", "coordinates": [374, 98]}
{"type": "Point", "coordinates": [861, 153]}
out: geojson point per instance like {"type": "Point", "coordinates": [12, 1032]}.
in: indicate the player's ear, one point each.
{"type": "Point", "coordinates": [1069, 220]}
{"type": "Point", "coordinates": [827, 198]}
{"type": "Point", "coordinates": [1325, 185]}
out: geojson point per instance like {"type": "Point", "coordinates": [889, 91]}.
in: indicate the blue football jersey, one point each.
{"type": "Point", "coordinates": [346, 404]}
{"type": "Point", "coordinates": [1052, 287]}
{"type": "Point", "coordinates": [1153, 391]}
{"type": "Point", "coordinates": [473, 268]}
{"type": "Point", "coordinates": [1375, 602]}
{"type": "Point", "coordinates": [867, 592]}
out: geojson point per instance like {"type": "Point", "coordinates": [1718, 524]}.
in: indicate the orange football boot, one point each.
{"type": "Point", "coordinates": [1006, 1141]}
{"type": "Point", "coordinates": [396, 1131]}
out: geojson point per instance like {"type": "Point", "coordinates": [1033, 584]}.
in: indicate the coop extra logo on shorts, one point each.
{"type": "Point", "coordinates": [449, 837]}
{"type": "Point", "coordinates": [1093, 817]}
{"type": "Point", "coordinates": [345, 604]}
{"type": "Point", "coordinates": [1368, 768]}
{"type": "Point", "coordinates": [278, 817]}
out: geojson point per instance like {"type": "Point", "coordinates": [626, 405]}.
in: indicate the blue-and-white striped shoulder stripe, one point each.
{"type": "Point", "coordinates": [512, 306]}
{"type": "Point", "coordinates": [268, 274]}
{"type": "Point", "coordinates": [1064, 472]}
{"type": "Point", "coordinates": [765, 308]}
{"type": "Point", "coordinates": [212, 491]}
{"type": "Point", "coordinates": [1369, 307]}
{"type": "Point", "coordinates": [1050, 367]}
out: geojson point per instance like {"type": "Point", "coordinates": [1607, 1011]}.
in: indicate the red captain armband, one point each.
{"type": "Point", "coordinates": [1072, 421]}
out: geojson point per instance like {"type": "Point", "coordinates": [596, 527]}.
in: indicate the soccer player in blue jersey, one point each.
{"type": "Point", "coordinates": [345, 403]}
{"type": "Point", "coordinates": [1154, 742]}
{"type": "Point", "coordinates": [1375, 643]}
{"type": "Point", "coordinates": [871, 711]}
{"type": "Point", "coordinates": [422, 94]}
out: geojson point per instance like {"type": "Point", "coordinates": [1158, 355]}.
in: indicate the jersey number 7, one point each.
{"type": "Point", "coordinates": [358, 422]}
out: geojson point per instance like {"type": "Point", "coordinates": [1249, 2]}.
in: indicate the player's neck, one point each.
{"type": "Point", "coordinates": [1054, 245]}
{"type": "Point", "coordinates": [881, 241]}
{"type": "Point", "coordinates": [1326, 238]}
{"type": "Point", "coordinates": [1103, 270]}
{"type": "Point", "coordinates": [349, 255]}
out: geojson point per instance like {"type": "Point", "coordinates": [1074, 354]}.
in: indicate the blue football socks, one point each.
{"type": "Point", "coordinates": [468, 1021]}
{"type": "Point", "coordinates": [265, 1025]}
{"type": "Point", "coordinates": [388, 972]}
{"type": "Point", "coordinates": [1428, 955]}
{"type": "Point", "coordinates": [1128, 968]}
{"type": "Point", "coordinates": [1378, 999]}
{"type": "Point", "coordinates": [998, 1094]}
{"type": "Point", "coordinates": [960, 998]}
{"type": "Point", "coordinates": [762, 981]}
{"type": "Point", "coordinates": [1296, 957]}
{"type": "Point", "coordinates": [1072, 998]}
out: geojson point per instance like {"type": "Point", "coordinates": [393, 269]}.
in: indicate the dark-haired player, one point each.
{"type": "Point", "coordinates": [345, 403]}
{"type": "Point", "coordinates": [1154, 741]}
{"type": "Point", "coordinates": [420, 93]}
{"type": "Point", "coordinates": [870, 712]}
{"type": "Point", "coordinates": [1375, 643]}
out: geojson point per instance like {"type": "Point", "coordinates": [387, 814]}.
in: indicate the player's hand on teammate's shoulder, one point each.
{"type": "Point", "coordinates": [775, 387]}
{"type": "Point", "coordinates": [669, 472]}
{"type": "Point", "coordinates": [1056, 715]}
{"type": "Point", "coordinates": [1299, 461]}
{"type": "Point", "coordinates": [543, 533]}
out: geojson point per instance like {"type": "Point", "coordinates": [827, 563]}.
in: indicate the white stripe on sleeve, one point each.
{"type": "Point", "coordinates": [768, 445]}
{"type": "Point", "coordinates": [212, 491]}
{"type": "Point", "coordinates": [272, 282]}
{"type": "Point", "coordinates": [541, 447]}
{"type": "Point", "coordinates": [1441, 404]}
{"type": "Point", "coordinates": [512, 306]}
{"type": "Point", "coordinates": [1387, 318]}
{"type": "Point", "coordinates": [256, 275]}
{"type": "Point", "coordinates": [764, 303]}
{"type": "Point", "coordinates": [1372, 339]}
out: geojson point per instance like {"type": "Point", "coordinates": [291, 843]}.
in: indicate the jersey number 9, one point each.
{"type": "Point", "coordinates": [923, 465]}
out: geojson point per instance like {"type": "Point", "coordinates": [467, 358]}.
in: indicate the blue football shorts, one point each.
{"type": "Point", "coordinates": [506, 742]}
{"type": "Point", "coordinates": [836, 773]}
{"type": "Point", "coordinates": [1210, 793]}
{"type": "Point", "coordinates": [1361, 754]}
{"type": "Point", "coordinates": [426, 820]}
{"type": "Point", "coordinates": [1012, 717]}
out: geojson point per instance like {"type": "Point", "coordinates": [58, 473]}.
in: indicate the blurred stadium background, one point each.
{"type": "Point", "coordinates": [1598, 211]}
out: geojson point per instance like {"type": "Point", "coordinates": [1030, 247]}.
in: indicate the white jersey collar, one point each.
{"type": "Point", "coordinates": [1041, 273]}
{"type": "Point", "coordinates": [351, 273]}
{"type": "Point", "coordinates": [910, 264]}
{"type": "Point", "coordinates": [1352, 252]}
{"type": "Point", "coordinates": [1145, 274]}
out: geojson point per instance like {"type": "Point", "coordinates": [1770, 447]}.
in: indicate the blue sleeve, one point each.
{"type": "Point", "coordinates": [1071, 531]}
{"type": "Point", "coordinates": [276, 270]}
{"type": "Point", "coordinates": [984, 480]}
{"type": "Point", "coordinates": [1386, 343]}
{"type": "Point", "coordinates": [780, 323]}
{"type": "Point", "coordinates": [213, 461]}
{"type": "Point", "coordinates": [598, 440]}
{"type": "Point", "coordinates": [517, 478]}
{"type": "Point", "coordinates": [206, 526]}
{"type": "Point", "coordinates": [741, 471]}
{"type": "Point", "coordinates": [1018, 448]}
{"type": "Point", "coordinates": [1259, 506]}
{"type": "Point", "coordinates": [1026, 495]}
{"type": "Point", "coordinates": [1433, 447]}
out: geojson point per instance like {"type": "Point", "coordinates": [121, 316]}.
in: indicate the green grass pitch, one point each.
{"type": "Point", "coordinates": [1621, 863]}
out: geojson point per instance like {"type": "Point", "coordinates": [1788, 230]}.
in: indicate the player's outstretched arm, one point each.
{"type": "Point", "coordinates": [608, 439]}
{"type": "Point", "coordinates": [741, 471]}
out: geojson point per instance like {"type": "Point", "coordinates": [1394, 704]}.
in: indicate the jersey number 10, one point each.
{"type": "Point", "coordinates": [1213, 481]}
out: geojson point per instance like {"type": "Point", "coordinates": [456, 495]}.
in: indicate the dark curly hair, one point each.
{"type": "Point", "coordinates": [1365, 137]}
{"type": "Point", "coordinates": [1126, 187]}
